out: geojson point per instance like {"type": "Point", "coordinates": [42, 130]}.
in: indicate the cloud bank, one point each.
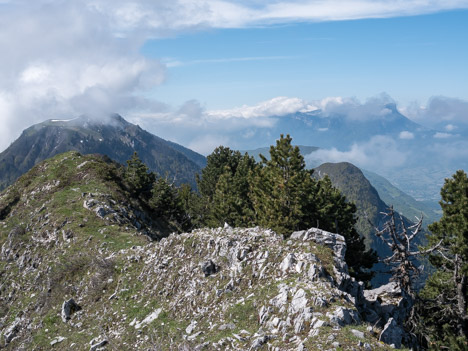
{"type": "Point", "coordinates": [441, 113]}
{"type": "Point", "coordinates": [148, 15]}
{"type": "Point", "coordinates": [379, 153]}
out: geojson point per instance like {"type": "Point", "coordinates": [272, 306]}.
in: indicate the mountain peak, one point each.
{"type": "Point", "coordinates": [85, 121]}
{"type": "Point", "coordinates": [110, 135]}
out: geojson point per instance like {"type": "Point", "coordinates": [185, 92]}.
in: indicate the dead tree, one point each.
{"type": "Point", "coordinates": [399, 238]}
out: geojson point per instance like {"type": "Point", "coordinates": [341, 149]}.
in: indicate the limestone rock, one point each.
{"type": "Point", "coordinates": [68, 308]}
{"type": "Point", "coordinates": [208, 268]}
{"type": "Point", "coordinates": [96, 345]}
{"type": "Point", "coordinates": [392, 333]}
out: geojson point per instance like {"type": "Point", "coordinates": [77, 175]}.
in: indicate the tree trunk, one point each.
{"type": "Point", "coordinates": [461, 282]}
{"type": "Point", "coordinates": [462, 292]}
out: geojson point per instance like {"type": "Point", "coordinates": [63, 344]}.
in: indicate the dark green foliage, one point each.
{"type": "Point", "coordinates": [164, 200]}
{"type": "Point", "coordinates": [138, 177]}
{"type": "Point", "coordinates": [221, 160]}
{"type": "Point", "coordinates": [444, 314]}
{"type": "Point", "coordinates": [283, 190]}
{"type": "Point", "coordinates": [192, 209]}
{"type": "Point", "coordinates": [278, 193]}
{"type": "Point", "coordinates": [231, 200]}
{"type": "Point", "coordinates": [224, 188]}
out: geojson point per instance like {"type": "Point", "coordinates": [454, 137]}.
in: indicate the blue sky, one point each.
{"type": "Point", "coordinates": [187, 65]}
{"type": "Point", "coordinates": [410, 58]}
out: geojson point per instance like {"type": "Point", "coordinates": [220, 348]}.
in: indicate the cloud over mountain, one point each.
{"type": "Point", "coordinates": [441, 112]}
{"type": "Point", "coordinates": [63, 58]}
{"type": "Point", "coordinates": [380, 152]}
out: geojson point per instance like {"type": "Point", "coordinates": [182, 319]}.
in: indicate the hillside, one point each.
{"type": "Point", "coordinates": [401, 201]}
{"type": "Point", "coordinates": [351, 182]}
{"type": "Point", "coordinates": [79, 273]}
{"type": "Point", "coordinates": [112, 136]}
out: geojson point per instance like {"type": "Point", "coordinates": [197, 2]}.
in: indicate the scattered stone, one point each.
{"type": "Point", "coordinates": [149, 318]}
{"type": "Point", "coordinates": [299, 301]}
{"type": "Point", "coordinates": [357, 333]}
{"type": "Point", "coordinates": [288, 262]}
{"type": "Point", "coordinates": [57, 340]}
{"type": "Point", "coordinates": [191, 327]}
{"type": "Point", "coordinates": [208, 268]}
{"type": "Point", "coordinates": [12, 331]}
{"type": "Point", "coordinates": [68, 308]}
{"type": "Point", "coordinates": [259, 342]}
{"type": "Point", "coordinates": [96, 345]}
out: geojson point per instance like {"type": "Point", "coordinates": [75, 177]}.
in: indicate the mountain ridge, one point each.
{"type": "Point", "coordinates": [112, 136]}
{"type": "Point", "coordinates": [78, 272]}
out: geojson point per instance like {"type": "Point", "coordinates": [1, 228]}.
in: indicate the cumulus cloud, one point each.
{"type": "Point", "coordinates": [64, 59]}
{"type": "Point", "coordinates": [440, 135]}
{"type": "Point", "coordinates": [379, 153]}
{"type": "Point", "coordinates": [278, 106]}
{"type": "Point", "coordinates": [406, 135]}
{"type": "Point", "coordinates": [351, 108]}
{"type": "Point", "coordinates": [212, 129]}
{"type": "Point", "coordinates": [440, 112]}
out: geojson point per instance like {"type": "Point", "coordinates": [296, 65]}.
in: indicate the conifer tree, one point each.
{"type": "Point", "coordinates": [164, 200]}
{"type": "Point", "coordinates": [282, 189]}
{"type": "Point", "coordinates": [444, 311]}
{"type": "Point", "coordinates": [231, 200]}
{"type": "Point", "coordinates": [221, 160]}
{"type": "Point", "coordinates": [138, 177]}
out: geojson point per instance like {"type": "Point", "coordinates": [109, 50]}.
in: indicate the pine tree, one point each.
{"type": "Point", "coordinates": [231, 200]}
{"type": "Point", "coordinates": [444, 312]}
{"type": "Point", "coordinates": [282, 189]}
{"type": "Point", "coordinates": [164, 200]}
{"type": "Point", "coordinates": [221, 160]}
{"type": "Point", "coordinates": [138, 177]}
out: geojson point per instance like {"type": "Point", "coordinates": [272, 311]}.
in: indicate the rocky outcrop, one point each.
{"type": "Point", "coordinates": [214, 289]}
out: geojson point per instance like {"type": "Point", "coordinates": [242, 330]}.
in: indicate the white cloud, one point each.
{"type": "Point", "coordinates": [440, 135]}
{"type": "Point", "coordinates": [373, 108]}
{"type": "Point", "coordinates": [64, 59]}
{"type": "Point", "coordinates": [406, 135]}
{"type": "Point", "coordinates": [440, 112]}
{"type": "Point", "coordinates": [278, 106]}
{"type": "Point", "coordinates": [177, 63]}
{"type": "Point", "coordinates": [212, 130]}
{"type": "Point", "coordinates": [179, 14]}
{"type": "Point", "coordinates": [379, 153]}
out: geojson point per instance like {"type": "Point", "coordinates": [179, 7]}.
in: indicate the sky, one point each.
{"type": "Point", "coordinates": [194, 64]}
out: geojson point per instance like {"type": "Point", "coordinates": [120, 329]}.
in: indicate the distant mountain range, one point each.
{"type": "Point", "coordinates": [112, 136]}
{"type": "Point", "coordinates": [376, 137]}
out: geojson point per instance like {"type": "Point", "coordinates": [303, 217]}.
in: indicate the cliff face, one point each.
{"type": "Point", "coordinates": [78, 273]}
